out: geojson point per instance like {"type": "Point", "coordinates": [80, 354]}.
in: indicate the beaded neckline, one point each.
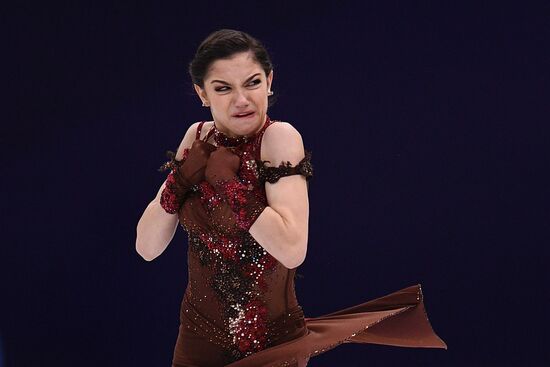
{"type": "Point", "coordinates": [222, 139]}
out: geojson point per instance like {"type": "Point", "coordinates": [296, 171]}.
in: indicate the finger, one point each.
{"type": "Point", "coordinates": [197, 143]}
{"type": "Point", "coordinates": [210, 147]}
{"type": "Point", "coordinates": [223, 149]}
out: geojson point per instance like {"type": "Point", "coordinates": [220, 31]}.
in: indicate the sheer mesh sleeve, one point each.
{"type": "Point", "coordinates": [172, 162]}
{"type": "Point", "coordinates": [273, 174]}
{"type": "Point", "coordinates": [176, 187]}
{"type": "Point", "coordinates": [246, 205]}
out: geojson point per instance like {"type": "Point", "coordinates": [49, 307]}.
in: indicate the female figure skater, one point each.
{"type": "Point", "coordinates": [238, 186]}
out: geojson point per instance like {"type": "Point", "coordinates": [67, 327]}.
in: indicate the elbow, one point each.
{"type": "Point", "coordinates": [147, 244]}
{"type": "Point", "coordinates": [147, 257]}
{"type": "Point", "coordinates": [297, 255]}
{"type": "Point", "coordinates": [293, 264]}
{"type": "Point", "coordinates": [297, 247]}
{"type": "Point", "coordinates": [145, 252]}
{"type": "Point", "coordinates": [151, 244]}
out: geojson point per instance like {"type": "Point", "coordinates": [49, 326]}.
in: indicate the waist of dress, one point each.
{"type": "Point", "coordinates": [291, 323]}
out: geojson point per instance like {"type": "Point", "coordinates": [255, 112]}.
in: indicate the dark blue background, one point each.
{"type": "Point", "coordinates": [427, 124]}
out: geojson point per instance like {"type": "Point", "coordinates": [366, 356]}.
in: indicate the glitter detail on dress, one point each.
{"type": "Point", "coordinates": [240, 308]}
{"type": "Point", "coordinates": [228, 267]}
{"type": "Point", "coordinates": [273, 174]}
{"type": "Point", "coordinates": [224, 140]}
{"type": "Point", "coordinates": [172, 162]}
{"type": "Point", "coordinates": [245, 204]}
{"type": "Point", "coordinates": [173, 195]}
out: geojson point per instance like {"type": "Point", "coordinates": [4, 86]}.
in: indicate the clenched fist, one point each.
{"type": "Point", "coordinates": [193, 168]}
{"type": "Point", "coordinates": [222, 165]}
{"type": "Point", "coordinates": [185, 174]}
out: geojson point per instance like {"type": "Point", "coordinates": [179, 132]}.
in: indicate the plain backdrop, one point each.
{"type": "Point", "coordinates": [427, 122]}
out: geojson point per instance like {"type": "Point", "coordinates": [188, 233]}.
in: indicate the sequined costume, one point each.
{"type": "Point", "coordinates": [240, 307]}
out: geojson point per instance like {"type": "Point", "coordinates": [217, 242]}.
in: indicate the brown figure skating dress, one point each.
{"type": "Point", "coordinates": [240, 308]}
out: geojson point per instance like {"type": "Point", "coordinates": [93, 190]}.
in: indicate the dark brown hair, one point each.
{"type": "Point", "coordinates": [223, 44]}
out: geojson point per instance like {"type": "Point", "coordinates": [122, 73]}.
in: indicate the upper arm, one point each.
{"type": "Point", "coordinates": [288, 196]}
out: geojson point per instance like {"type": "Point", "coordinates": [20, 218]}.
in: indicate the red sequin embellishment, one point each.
{"type": "Point", "coordinates": [238, 266]}
{"type": "Point", "coordinates": [172, 196]}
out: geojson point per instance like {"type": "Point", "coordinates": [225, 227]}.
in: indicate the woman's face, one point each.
{"type": "Point", "coordinates": [236, 91]}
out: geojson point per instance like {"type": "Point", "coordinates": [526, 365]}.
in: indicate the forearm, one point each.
{"type": "Point", "coordinates": [155, 230]}
{"type": "Point", "coordinates": [284, 238]}
{"type": "Point", "coordinates": [280, 228]}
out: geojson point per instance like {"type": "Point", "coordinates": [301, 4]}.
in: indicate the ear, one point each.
{"type": "Point", "coordinates": [202, 94]}
{"type": "Point", "coordinates": [270, 80]}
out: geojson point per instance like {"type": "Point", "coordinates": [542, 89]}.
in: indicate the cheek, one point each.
{"type": "Point", "coordinates": [219, 103]}
{"type": "Point", "coordinates": [261, 98]}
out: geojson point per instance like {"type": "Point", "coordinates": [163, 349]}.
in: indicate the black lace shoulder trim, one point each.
{"type": "Point", "coordinates": [273, 174]}
{"type": "Point", "coordinates": [172, 163]}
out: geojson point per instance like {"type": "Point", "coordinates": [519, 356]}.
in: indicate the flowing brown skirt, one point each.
{"type": "Point", "coordinates": [398, 319]}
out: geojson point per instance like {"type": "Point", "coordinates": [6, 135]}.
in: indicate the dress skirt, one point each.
{"type": "Point", "coordinates": [398, 319]}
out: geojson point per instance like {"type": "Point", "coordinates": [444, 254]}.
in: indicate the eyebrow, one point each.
{"type": "Point", "coordinates": [226, 83]}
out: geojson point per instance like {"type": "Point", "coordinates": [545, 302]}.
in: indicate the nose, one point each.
{"type": "Point", "coordinates": [241, 98]}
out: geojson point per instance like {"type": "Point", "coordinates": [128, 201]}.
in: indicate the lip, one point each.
{"type": "Point", "coordinates": [240, 113]}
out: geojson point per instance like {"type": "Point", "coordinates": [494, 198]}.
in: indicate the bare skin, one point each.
{"type": "Point", "coordinates": [282, 228]}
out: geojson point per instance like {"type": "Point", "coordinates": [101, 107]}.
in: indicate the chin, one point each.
{"type": "Point", "coordinates": [246, 128]}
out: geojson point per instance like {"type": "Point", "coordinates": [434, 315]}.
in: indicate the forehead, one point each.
{"type": "Point", "coordinates": [240, 66]}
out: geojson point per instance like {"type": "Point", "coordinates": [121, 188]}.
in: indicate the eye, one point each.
{"type": "Point", "coordinates": [255, 82]}
{"type": "Point", "coordinates": [221, 89]}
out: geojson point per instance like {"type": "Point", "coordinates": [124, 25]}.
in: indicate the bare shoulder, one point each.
{"type": "Point", "coordinates": [188, 139]}
{"type": "Point", "coordinates": [206, 128]}
{"type": "Point", "coordinates": [281, 143]}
